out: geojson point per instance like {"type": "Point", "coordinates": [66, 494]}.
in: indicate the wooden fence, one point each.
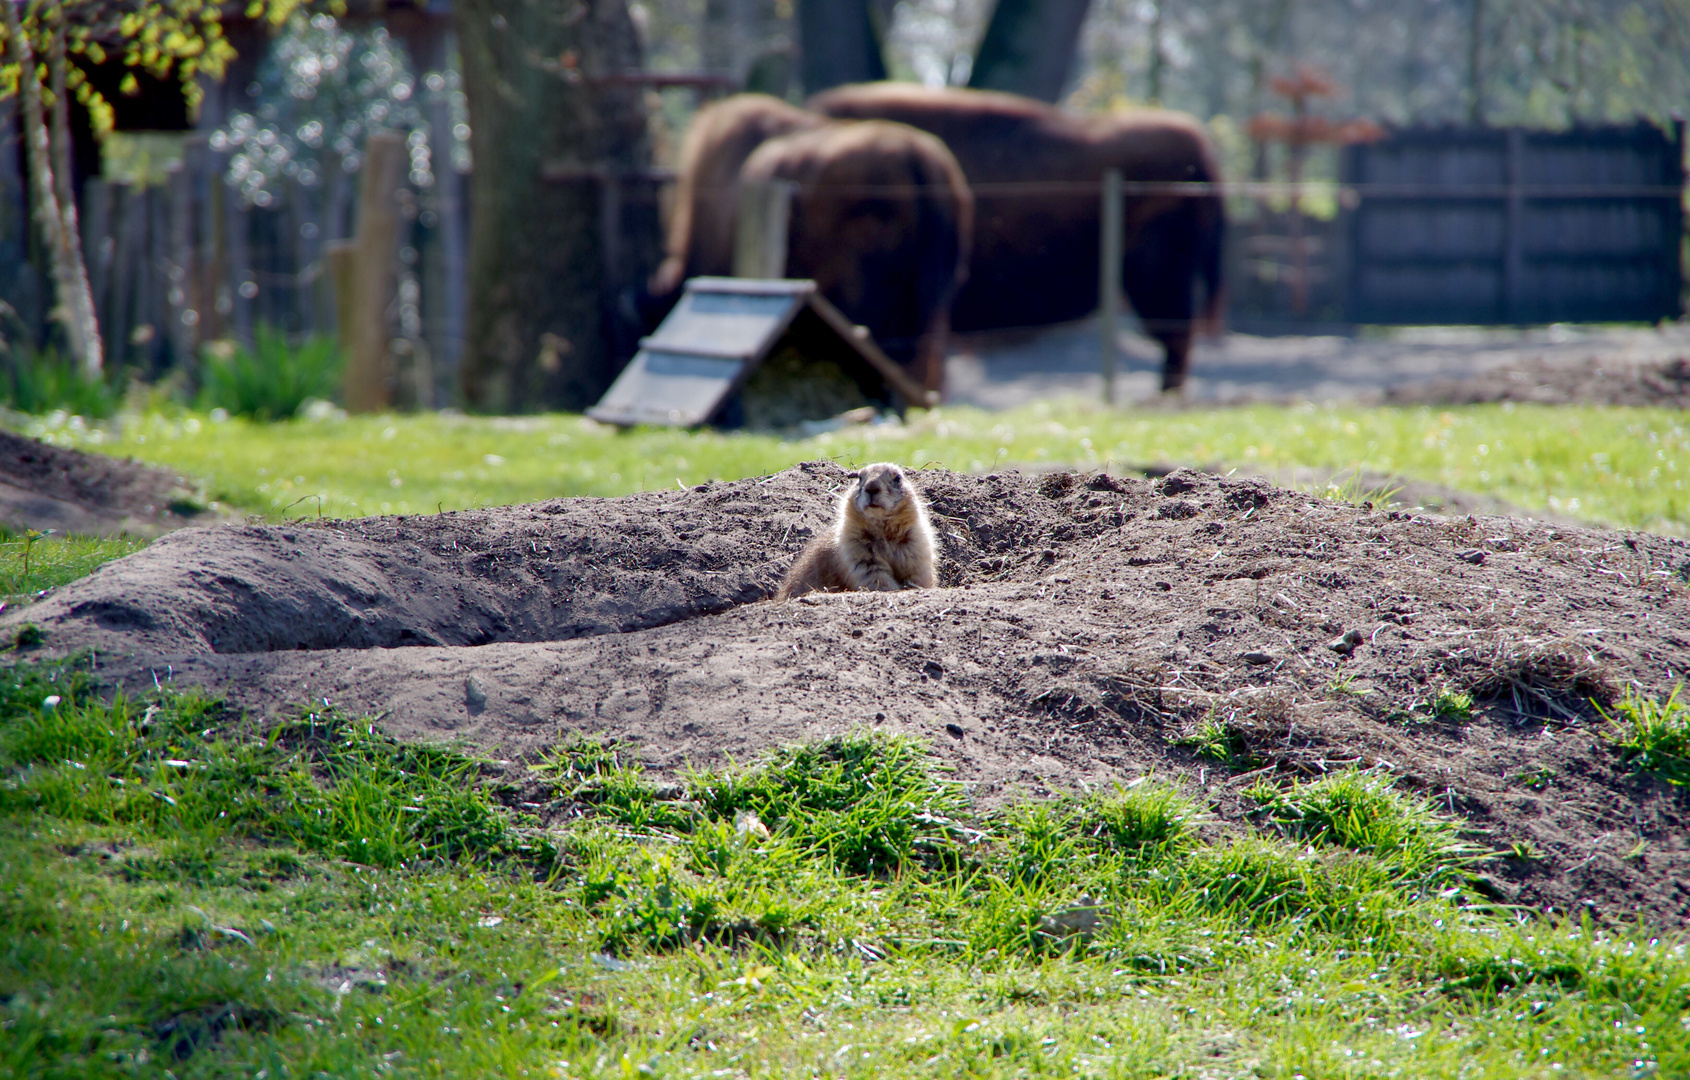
{"type": "Point", "coordinates": [1515, 226]}
{"type": "Point", "coordinates": [183, 262]}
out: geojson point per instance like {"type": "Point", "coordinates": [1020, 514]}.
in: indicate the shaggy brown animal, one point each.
{"type": "Point", "coordinates": [1034, 170]}
{"type": "Point", "coordinates": [721, 137]}
{"type": "Point", "coordinates": [882, 220]}
{"type": "Point", "coordinates": [881, 541]}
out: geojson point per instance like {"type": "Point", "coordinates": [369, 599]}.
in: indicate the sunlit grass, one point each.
{"type": "Point", "coordinates": [1619, 467]}
{"type": "Point", "coordinates": [1653, 735]}
{"type": "Point", "coordinates": [180, 891]}
{"type": "Point", "coordinates": [29, 563]}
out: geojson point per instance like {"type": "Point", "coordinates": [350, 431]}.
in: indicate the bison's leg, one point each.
{"type": "Point", "coordinates": [928, 367]}
{"type": "Point", "coordinates": [1176, 361]}
{"type": "Point", "coordinates": [1159, 275]}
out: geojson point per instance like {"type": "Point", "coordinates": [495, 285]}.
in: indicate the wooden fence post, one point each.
{"type": "Point", "coordinates": [765, 212]}
{"type": "Point", "coordinates": [1514, 228]}
{"type": "Point", "coordinates": [338, 256]}
{"type": "Point", "coordinates": [365, 326]}
{"type": "Point", "coordinates": [1109, 280]}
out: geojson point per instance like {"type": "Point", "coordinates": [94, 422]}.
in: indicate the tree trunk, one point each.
{"type": "Point", "coordinates": [537, 317]}
{"type": "Point", "coordinates": [374, 279]}
{"type": "Point", "coordinates": [1029, 47]}
{"type": "Point", "coordinates": [838, 45]}
{"type": "Point", "coordinates": [1475, 65]}
{"type": "Point", "coordinates": [92, 352]}
{"type": "Point", "coordinates": [75, 307]}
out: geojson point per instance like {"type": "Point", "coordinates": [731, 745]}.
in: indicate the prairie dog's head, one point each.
{"type": "Point", "coordinates": [879, 489]}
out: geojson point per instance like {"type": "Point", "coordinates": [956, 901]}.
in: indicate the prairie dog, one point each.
{"type": "Point", "coordinates": [881, 541]}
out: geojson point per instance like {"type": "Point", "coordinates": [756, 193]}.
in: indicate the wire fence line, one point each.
{"type": "Point", "coordinates": [187, 261]}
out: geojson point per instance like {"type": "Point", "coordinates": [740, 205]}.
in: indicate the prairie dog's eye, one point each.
{"type": "Point", "coordinates": [897, 481]}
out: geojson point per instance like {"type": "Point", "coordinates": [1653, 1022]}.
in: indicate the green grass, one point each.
{"type": "Point", "coordinates": [184, 893]}
{"type": "Point", "coordinates": [1214, 739]}
{"type": "Point", "coordinates": [1622, 467]}
{"type": "Point", "coordinates": [1652, 735]}
{"type": "Point", "coordinates": [30, 563]}
{"type": "Point", "coordinates": [1450, 704]}
{"type": "Point", "coordinates": [1362, 812]}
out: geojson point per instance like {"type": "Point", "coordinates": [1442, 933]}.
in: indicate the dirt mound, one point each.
{"type": "Point", "coordinates": [1087, 629]}
{"type": "Point", "coordinates": [1595, 381]}
{"type": "Point", "coordinates": [50, 487]}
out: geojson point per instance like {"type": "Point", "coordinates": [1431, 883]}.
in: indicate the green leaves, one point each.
{"type": "Point", "coordinates": [271, 380]}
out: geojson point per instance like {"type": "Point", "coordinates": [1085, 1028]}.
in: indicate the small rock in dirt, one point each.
{"type": "Point", "coordinates": [1472, 555]}
{"type": "Point", "coordinates": [1259, 657]}
{"type": "Point", "coordinates": [1346, 644]}
{"type": "Point", "coordinates": [955, 730]}
{"type": "Point", "coordinates": [474, 696]}
{"type": "Point", "coordinates": [1178, 481]}
{"type": "Point", "coordinates": [1177, 510]}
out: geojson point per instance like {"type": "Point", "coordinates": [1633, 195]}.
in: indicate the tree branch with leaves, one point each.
{"type": "Point", "coordinates": [45, 44]}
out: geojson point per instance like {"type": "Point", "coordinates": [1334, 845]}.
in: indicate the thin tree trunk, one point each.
{"type": "Point", "coordinates": [75, 307]}
{"type": "Point", "coordinates": [1155, 94]}
{"type": "Point", "coordinates": [1029, 47]}
{"type": "Point", "coordinates": [837, 45]}
{"type": "Point", "coordinates": [536, 335]}
{"type": "Point", "coordinates": [82, 294]}
{"type": "Point", "coordinates": [1475, 65]}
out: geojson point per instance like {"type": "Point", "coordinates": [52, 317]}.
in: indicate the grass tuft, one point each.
{"type": "Point", "coordinates": [1364, 813]}
{"type": "Point", "coordinates": [1147, 822]}
{"type": "Point", "coordinates": [1651, 735]}
{"type": "Point", "coordinates": [590, 770]}
{"type": "Point", "coordinates": [871, 801]}
{"type": "Point", "coordinates": [323, 782]}
{"type": "Point", "coordinates": [1216, 740]}
{"type": "Point", "coordinates": [45, 382]}
{"type": "Point", "coordinates": [1450, 705]}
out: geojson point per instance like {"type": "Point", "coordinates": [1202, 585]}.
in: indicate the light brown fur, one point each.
{"type": "Point", "coordinates": [881, 541]}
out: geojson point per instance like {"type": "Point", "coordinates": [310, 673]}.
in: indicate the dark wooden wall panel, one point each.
{"type": "Point", "coordinates": [1514, 226]}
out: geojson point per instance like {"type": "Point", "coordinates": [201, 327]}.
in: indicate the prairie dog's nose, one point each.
{"type": "Point", "coordinates": [873, 490]}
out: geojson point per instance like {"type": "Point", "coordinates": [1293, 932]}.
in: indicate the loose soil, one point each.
{"type": "Point", "coordinates": [1085, 625]}
{"type": "Point", "coordinates": [49, 487]}
{"type": "Point", "coordinates": [1594, 381]}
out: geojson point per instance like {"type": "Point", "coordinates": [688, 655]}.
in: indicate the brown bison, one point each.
{"type": "Point", "coordinates": [882, 220]}
{"type": "Point", "coordinates": [1033, 170]}
{"type": "Point", "coordinates": [720, 138]}
{"type": "Point", "coordinates": [881, 217]}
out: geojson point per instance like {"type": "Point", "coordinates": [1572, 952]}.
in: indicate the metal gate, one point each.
{"type": "Point", "coordinates": [1483, 225]}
